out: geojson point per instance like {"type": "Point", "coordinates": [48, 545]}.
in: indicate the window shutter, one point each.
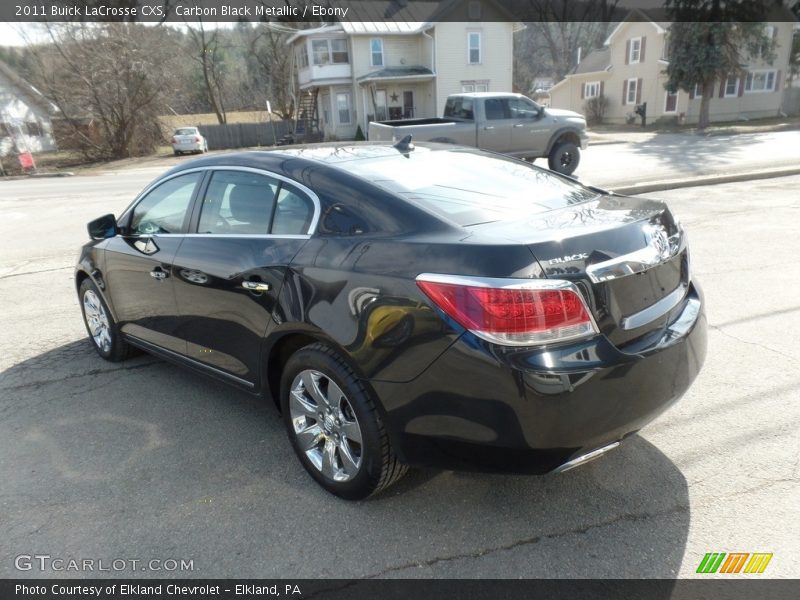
{"type": "Point", "coordinates": [741, 85]}
{"type": "Point", "coordinates": [722, 88]}
{"type": "Point", "coordinates": [625, 92]}
{"type": "Point", "coordinates": [583, 91]}
{"type": "Point", "coordinates": [639, 91]}
{"type": "Point", "coordinates": [627, 51]}
{"type": "Point", "coordinates": [601, 84]}
{"type": "Point", "coordinates": [778, 80]}
{"type": "Point", "coordinates": [641, 49]}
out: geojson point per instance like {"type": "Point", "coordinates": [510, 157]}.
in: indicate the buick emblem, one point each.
{"type": "Point", "coordinates": [656, 237]}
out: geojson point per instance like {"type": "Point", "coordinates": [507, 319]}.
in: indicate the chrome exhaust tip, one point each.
{"type": "Point", "coordinates": [584, 458]}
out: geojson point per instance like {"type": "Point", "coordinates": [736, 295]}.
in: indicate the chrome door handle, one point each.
{"type": "Point", "coordinates": [488, 128]}
{"type": "Point", "coordinates": [519, 125]}
{"type": "Point", "coordinates": [255, 286]}
{"type": "Point", "coordinates": [159, 274]}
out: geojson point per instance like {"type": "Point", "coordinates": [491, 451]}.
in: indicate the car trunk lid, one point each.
{"type": "Point", "coordinates": [626, 255]}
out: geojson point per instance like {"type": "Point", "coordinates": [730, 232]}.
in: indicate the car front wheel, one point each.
{"type": "Point", "coordinates": [564, 158]}
{"type": "Point", "coordinates": [334, 426]}
{"type": "Point", "coordinates": [103, 330]}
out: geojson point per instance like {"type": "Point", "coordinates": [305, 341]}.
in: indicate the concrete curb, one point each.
{"type": "Point", "coordinates": [671, 184]}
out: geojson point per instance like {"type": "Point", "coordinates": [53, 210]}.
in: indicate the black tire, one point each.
{"type": "Point", "coordinates": [114, 349]}
{"type": "Point", "coordinates": [564, 158]}
{"type": "Point", "coordinates": [175, 152]}
{"type": "Point", "coordinates": [378, 467]}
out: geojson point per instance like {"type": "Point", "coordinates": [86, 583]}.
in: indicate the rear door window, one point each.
{"type": "Point", "coordinates": [242, 202]}
{"type": "Point", "coordinates": [238, 202]}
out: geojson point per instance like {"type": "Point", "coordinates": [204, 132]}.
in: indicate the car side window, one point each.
{"type": "Point", "coordinates": [238, 202]}
{"type": "Point", "coordinates": [521, 108]}
{"type": "Point", "coordinates": [496, 109]}
{"type": "Point", "coordinates": [293, 213]}
{"type": "Point", "coordinates": [163, 209]}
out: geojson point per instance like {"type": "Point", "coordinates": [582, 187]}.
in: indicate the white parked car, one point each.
{"type": "Point", "coordinates": [188, 139]}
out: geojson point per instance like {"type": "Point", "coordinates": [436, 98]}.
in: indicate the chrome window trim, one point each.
{"type": "Point", "coordinates": [515, 284]}
{"type": "Point", "coordinates": [307, 191]}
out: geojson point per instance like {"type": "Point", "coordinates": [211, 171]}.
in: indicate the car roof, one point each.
{"type": "Point", "coordinates": [285, 161]}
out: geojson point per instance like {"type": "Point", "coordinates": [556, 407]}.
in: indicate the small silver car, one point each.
{"type": "Point", "coordinates": [188, 139]}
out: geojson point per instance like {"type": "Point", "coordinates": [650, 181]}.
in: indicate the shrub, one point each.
{"type": "Point", "coordinates": [595, 109]}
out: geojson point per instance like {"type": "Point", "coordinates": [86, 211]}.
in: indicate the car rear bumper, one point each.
{"type": "Point", "coordinates": [485, 407]}
{"type": "Point", "coordinates": [193, 147]}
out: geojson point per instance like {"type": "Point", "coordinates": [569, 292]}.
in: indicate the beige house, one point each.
{"type": "Point", "coordinates": [630, 70]}
{"type": "Point", "coordinates": [350, 73]}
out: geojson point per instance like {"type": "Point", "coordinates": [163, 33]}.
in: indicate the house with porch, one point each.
{"type": "Point", "coordinates": [24, 115]}
{"type": "Point", "coordinates": [351, 73]}
{"type": "Point", "coordinates": [630, 70]}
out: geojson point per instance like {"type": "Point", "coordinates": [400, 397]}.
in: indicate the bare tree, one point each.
{"type": "Point", "coordinates": [208, 52]}
{"type": "Point", "coordinates": [273, 57]}
{"type": "Point", "coordinates": [561, 27]}
{"type": "Point", "coordinates": [107, 80]}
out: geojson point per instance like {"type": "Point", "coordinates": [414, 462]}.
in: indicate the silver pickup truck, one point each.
{"type": "Point", "coordinates": [508, 123]}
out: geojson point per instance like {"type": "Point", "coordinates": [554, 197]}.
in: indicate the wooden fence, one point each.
{"type": "Point", "coordinates": [244, 135]}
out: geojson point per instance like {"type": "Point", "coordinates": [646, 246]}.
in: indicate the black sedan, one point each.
{"type": "Point", "coordinates": [402, 305]}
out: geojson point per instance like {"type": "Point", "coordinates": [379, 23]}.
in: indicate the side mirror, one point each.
{"type": "Point", "coordinates": [103, 227]}
{"type": "Point", "coordinates": [541, 112]}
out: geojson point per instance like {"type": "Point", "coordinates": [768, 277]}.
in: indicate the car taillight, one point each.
{"type": "Point", "coordinates": [511, 311]}
{"type": "Point", "coordinates": [196, 140]}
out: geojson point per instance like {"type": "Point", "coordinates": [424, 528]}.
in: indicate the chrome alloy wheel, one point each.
{"type": "Point", "coordinates": [325, 426]}
{"type": "Point", "coordinates": [97, 320]}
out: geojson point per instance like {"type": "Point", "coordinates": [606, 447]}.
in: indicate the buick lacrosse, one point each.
{"type": "Point", "coordinates": [402, 305]}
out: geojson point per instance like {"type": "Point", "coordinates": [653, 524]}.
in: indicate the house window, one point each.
{"type": "Point", "coordinates": [474, 86]}
{"type": "Point", "coordinates": [474, 47]}
{"type": "Point", "coordinates": [632, 90]}
{"type": "Point", "coordinates": [592, 89]}
{"type": "Point", "coordinates": [376, 52]}
{"type": "Point", "coordinates": [760, 81]}
{"type": "Point", "coordinates": [319, 48]}
{"type": "Point", "coordinates": [764, 49]}
{"type": "Point", "coordinates": [33, 128]}
{"type": "Point", "coordinates": [339, 55]}
{"type": "Point", "coordinates": [636, 50]}
{"type": "Point", "coordinates": [302, 56]}
{"type": "Point", "coordinates": [671, 103]}
{"type": "Point", "coordinates": [343, 108]}
{"type": "Point", "coordinates": [698, 90]}
{"type": "Point", "coordinates": [731, 87]}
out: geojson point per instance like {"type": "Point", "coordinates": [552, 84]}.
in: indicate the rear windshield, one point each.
{"type": "Point", "coordinates": [470, 188]}
{"type": "Point", "coordinates": [186, 131]}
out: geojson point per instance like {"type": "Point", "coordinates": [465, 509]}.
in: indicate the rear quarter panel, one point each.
{"type": "Point", "coordinates": [362, 295]}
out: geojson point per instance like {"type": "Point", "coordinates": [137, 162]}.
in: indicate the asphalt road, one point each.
{"type": "Point", "coordinates": [143, 460]}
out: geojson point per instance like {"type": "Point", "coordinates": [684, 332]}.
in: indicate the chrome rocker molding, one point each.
{"type": "Point", "coordinates": [584, 458]}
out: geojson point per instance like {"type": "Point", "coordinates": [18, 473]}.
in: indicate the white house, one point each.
{"type": "Point", "coordinates": [350, 73]}
{"type": "Point", "coordinates": [24, 115]}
